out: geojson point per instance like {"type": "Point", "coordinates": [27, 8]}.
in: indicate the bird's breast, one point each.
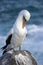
{"type": "Point", "coordinates": [18, 37]}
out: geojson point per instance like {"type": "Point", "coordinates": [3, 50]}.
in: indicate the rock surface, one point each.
{"type": "Point", "coordinates": [17, 58]}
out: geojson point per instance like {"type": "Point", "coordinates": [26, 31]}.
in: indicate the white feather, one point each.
{"type": "Point", "coordinates": [19, 33]}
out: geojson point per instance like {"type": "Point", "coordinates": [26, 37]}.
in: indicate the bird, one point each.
{"type": "Point", "coordinates": [15, 39]}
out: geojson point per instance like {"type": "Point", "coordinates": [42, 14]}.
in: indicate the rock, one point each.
{"type": "Point", "coordinates": [17, 58]}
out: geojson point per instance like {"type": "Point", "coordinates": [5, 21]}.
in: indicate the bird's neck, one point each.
{"type": "Point", "coordinates": [19, 22]}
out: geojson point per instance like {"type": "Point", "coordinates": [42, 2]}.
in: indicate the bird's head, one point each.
{"type": "Point", "coordinates": [23, 17]}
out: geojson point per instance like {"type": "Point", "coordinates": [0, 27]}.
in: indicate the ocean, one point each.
{"type": "Point", "coordinates": [9, 10]}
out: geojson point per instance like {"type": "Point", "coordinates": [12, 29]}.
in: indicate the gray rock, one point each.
{"type": "Point", "coordinates": [17, 58]}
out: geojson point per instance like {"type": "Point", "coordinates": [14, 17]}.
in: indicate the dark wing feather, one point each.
{"type": "Point", "coordinates": [7, 41]}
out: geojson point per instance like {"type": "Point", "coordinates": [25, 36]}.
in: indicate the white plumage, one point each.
{"type": "Point", "coordinates": [19, 33]}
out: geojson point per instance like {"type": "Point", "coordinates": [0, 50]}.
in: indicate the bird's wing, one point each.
{"type": "Point", "coordinates": [8, 39]}
{"type": "Point", "coordinates": [9, 33]}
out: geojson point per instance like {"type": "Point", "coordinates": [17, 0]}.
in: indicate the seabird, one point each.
{"type": "Point", "coordinates": [16, 38]}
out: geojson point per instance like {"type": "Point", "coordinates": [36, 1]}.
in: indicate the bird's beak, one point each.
{"type": "Point", "coordinates": [24, 22]}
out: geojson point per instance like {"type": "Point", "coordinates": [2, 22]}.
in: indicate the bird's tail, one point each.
{"type": "Point", "coordinates": [4, 47]}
